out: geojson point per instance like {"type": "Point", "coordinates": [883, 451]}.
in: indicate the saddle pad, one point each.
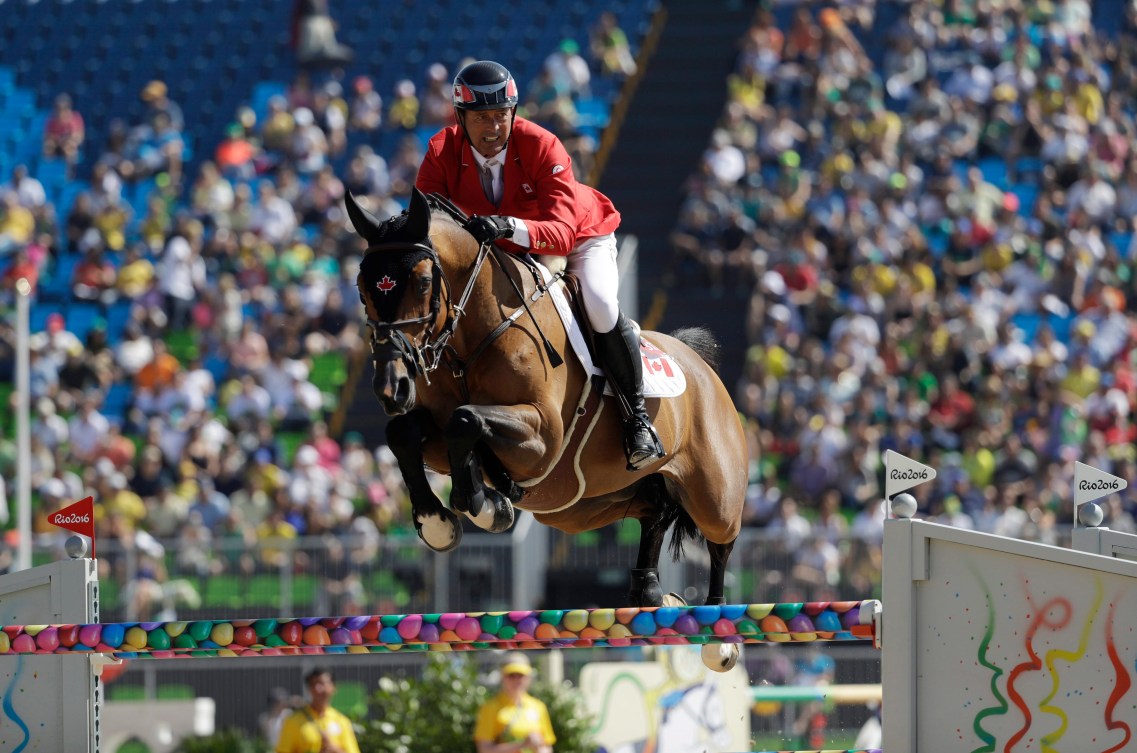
{"type": "Point", "coordinates": [662, 375]}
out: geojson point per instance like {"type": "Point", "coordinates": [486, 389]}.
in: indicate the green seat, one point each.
{"type": "Point", "coordinates": [628, 531]}
{"type": "Point", "coordinates": [108, 593]}
{"type": "Point", "coordinates": [126, 693]}
{"type": "Point", "coordinates": [329, 371]}
{"type": "Point", "coordinates": [182, 345]}
{"type": "Point", "coordinates": [223, 591]}
{"type": "Point", "coordinates": [289, 442]}
{"type": "Point", "coordinates": [264, 591]}
{"type": "Point", "coordinates": [304, 590]}
{"type": "Point", "coordinates": [179, 692]}
{"type": "Point", "coordinates": [350, 699]}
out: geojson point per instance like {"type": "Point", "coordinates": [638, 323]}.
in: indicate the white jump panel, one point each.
{"type": "Point", "coordinates": [998, 644]}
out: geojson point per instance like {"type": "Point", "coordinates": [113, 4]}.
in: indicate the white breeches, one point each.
{"type": "Point", "coordinates": [593, 261]}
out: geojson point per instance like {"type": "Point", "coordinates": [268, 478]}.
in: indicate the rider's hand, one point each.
{"type": "Point", "coordinates": [489, 228]}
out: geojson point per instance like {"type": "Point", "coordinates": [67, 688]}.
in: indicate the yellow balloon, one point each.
{"type": "Point", "coordinates": [602, 619]}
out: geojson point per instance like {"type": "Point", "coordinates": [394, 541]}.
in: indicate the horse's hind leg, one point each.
{"type": "Point", "coordinates": [720, 553]}
{"type": "Point", "coordinates": [436, 526]}
{"type": "Point", "coordinates": [645, 590]}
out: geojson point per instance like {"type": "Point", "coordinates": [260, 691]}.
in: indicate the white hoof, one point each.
{"type": "Point", "coordinates": [441, 534]}
{"type": "Point", "coordinates": [720, 657]}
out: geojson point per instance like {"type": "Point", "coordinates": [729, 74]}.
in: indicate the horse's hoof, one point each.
{"type": "Point", "coordinates": [674, 600]}
{"type": "Point", "coordinates": [645, 590]}
{"type": "Point", "coordinates": [441, 532]}
{"type": "Point", "coordinates": [495, 517]}
{"type": "Point", "coordinates": [720, 657]}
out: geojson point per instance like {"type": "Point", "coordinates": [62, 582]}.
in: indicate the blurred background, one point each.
{"type": "Point", "coordinates": [909, 223]}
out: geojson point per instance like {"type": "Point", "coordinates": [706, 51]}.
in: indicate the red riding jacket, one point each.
{"type": "Point", "coordinates": [538, 187]}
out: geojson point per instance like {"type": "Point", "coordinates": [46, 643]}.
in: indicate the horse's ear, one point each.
{"type": "Point", "coordinates": [418, 224]}
{"type": "Point", "coordinates": [366, 224]}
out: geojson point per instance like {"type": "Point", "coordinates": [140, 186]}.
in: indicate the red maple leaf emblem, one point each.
{"type": "Point", "coordinates": [386, 284]}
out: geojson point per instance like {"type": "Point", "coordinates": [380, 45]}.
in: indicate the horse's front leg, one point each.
{"type": "Point", "coordinates": [439, 528]}
{"type": "Point", "coordinates": [476, 438]}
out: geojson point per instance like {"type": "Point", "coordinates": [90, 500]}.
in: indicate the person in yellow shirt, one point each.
{"type": "Point", "coordinates": [514, 721]}
{"type": "Point", "coordinates": [317, 727]}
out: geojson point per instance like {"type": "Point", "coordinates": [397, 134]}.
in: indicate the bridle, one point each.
{"type": "Point", "coordinates": [425, 354]}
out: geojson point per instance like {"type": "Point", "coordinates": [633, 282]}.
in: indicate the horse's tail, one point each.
{"type": "Point", "coordinates": [671, 513]}
{"type": "Point", "coordinates": [700, 340]}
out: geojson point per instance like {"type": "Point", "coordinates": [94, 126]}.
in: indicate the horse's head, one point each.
{"type": "Point", "coordinates": [400, 284]}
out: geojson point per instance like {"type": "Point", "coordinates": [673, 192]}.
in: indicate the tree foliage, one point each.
{"type": "Point", "coordinates": [438, 711]}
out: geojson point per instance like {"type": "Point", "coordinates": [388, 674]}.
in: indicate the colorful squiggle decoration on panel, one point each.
{"type": "Point", "coordinates": [550, 628]}
{"type": "Point", "coordinates": [1121, 684]}
{"type": "Point", "coordinates": [1035, 663]}
{"type": "Point", "coordinates": [1072, 657]}
{"type": "Point", "coordinates": [10, 709]}
{"type": "Point", "coordinates": [996, 673]}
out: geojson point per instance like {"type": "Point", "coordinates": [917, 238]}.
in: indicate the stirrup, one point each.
{"type": "Point", "coordinates": [641, 444]}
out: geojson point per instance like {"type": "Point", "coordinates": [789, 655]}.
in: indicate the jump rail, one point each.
{"type": "Point", "coordinates": [551, 628]}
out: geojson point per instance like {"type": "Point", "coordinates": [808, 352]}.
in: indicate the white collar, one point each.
{"type": "Point", "coordinates": [495, 161]}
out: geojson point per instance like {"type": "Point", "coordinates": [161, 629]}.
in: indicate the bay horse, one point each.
{"type": "Point", "coordinates": [468, 348]}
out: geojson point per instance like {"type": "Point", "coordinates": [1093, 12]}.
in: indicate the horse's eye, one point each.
{"type": "Point", "coordinates": [424, 285]}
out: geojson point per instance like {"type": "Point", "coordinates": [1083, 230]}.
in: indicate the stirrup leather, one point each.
{"type": "Point", "coordinates": [641, 444]}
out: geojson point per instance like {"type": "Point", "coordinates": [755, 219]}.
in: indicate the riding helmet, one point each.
{"type": "Point", "coordinates": [484, 85]}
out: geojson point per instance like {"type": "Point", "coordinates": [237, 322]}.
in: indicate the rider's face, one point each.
{"type": "Point", "coordinates": [489, 129]}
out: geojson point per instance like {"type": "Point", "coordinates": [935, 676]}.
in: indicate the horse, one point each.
{"type": "Point", "coordinates": [472, 363]}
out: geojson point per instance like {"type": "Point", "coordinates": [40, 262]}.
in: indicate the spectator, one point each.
{"type": "Point", "coordinates": [366, 109]}
{"type": "Point", "coordinates": [314, 37]}
{"type": "Point", "coordinates": [64, 132]}
{"type": "Point", "coordinates": [513, 720]}
{"type": "Point", "coordinates": [608, 45]}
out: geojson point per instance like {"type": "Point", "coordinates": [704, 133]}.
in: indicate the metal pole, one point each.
{"type": "Point", "coordinates": [23, 427]}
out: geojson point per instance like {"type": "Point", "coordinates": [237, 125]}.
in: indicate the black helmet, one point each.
{"type": "Point", "coordinates": [484, 85]}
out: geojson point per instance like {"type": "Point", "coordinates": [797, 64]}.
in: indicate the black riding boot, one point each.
{"type": "Point", "coordinates": [619, 353]}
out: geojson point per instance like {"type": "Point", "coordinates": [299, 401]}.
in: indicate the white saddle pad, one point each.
{"type": "Point", "coordinates": [662, 375]}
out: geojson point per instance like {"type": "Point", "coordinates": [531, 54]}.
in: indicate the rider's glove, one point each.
{"type": "Point", "coordinates": [489, 228]}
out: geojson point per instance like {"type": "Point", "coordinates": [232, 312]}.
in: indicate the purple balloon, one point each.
{"type": "Point", "coordinates": [800, 623]}
{"type": "Point", "coordinates": [528, 626]}
{"type": "Point", "coordinates": [356, 623]}
{"type": "Point", "coordinates": [851, 618]}
{"type": "Point", "coordinates": [686, 624]}
{"type": "Point", "coordinates": [428, 633]}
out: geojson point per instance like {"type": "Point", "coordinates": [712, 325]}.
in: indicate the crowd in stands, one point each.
{"type": "Point", "coordinates": [930, 207]}
{"type": "Point", "coordinates": [208, 307]}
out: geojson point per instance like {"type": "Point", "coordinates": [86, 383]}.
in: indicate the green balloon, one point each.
{"type": "Point", "coordinates": [159, 640]}
{"type": "Point", "coordinates": [391, 620]}
{"type": "Point", "coordinates": [200, 631]}
{"type": "Point", "coordinates": [552, 616]}
{"type": "Point", "coordinates": [431, 618]}
{"type": "Point", "coordinates": [507, 632]}
{"type": "Point", "coordinates": [185, 640]}
{"type": "Point", "coordinates": [492, 623]}
{"type": "Point", "coordinates": [274, 641]}
{"type": "Point", "coordinates": [264, 628]}
{"type": "Point", "coordinates": [786, 611]}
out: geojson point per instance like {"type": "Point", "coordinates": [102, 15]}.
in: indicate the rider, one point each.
{"type": "Point", "coordinates": [515, 179]}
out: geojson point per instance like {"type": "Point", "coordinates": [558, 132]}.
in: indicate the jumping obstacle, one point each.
{"type": "Point", "coordinates": [993, 641]}
{"type": "Point", "coordinates": [546, 629]}
{"type": "Point", "coordinates": [997, 643]}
